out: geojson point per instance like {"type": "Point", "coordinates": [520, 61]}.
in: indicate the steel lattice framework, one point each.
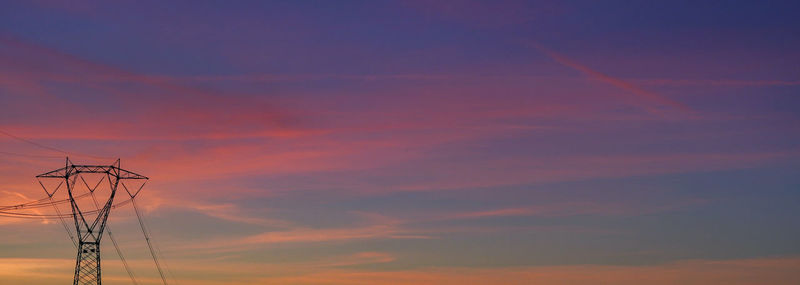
{"type": "Point", "coordinates": [90, 232]}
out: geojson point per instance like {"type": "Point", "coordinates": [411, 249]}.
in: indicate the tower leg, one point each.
{"type": "Point", "coordinates": [87, 267]}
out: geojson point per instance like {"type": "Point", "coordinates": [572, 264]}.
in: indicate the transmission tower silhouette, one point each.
{"type": "Point", "coordinates": [90, 222]}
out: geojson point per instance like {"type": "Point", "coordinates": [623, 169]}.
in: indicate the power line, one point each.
{"type": "Point", "coordinates": [12, 214]}
{"type": "Point", "coordinates": [87, 270]}
{"type": "Point", "coordinates": [64, 223]}
{"type": "Point", "coordinates": [147, 238]}
{"type": "Point", "coordinates": [39, 203]}
{"type": "Point", "coordinates": [90, 230]}
{"type": "Point", "coordinates": [159, 253]}
{"type": "Point", "coordinates": [29, 155]}
{"type": "Point", "coordinates": [33, 142]}
{"type": "Point", "coordinates": [164, 260]}
{"type": "Point", "coordinates": [48, 147]}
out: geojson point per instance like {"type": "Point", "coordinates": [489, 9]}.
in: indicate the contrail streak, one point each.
{"type": "Point", "coordinates": [650, 96]}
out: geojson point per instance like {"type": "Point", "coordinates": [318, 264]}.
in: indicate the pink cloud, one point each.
{"type": "Point", "coordinates": [177, 110]}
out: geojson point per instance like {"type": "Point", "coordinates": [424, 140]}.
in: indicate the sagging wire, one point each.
{"type": "Point", "coordinates": [164, 260]}
{"type": "Point", "coordinates": [41, 203]}
{"type": "Point", "coordinates": [64, 223]}
{"type": "Point", "coordinates": [58, 212]}
{"type": "Point", "coordinates": [23, 215]}
{"type": "Point", "coordinates": [147, 239]}
{"type": "Point", "coordinates": [49, 147]}
{"type": "Point", "coordinates": [61, 216]}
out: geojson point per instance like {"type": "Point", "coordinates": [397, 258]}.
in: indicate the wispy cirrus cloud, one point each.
{"type": "Point", "coordinates": [569, 209]}
{"type": "Point", "coordinates": [303, 235]}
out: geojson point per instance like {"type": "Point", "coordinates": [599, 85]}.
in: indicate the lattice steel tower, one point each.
{"type": "Point", "coordinates": [90, 219]}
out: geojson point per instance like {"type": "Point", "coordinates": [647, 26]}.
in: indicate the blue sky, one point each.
{"type": "Point", "coordinates": [414, 142]}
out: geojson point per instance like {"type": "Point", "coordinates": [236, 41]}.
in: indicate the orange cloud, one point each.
{"type": "Point", "coordinates": [773, 271]}
{"type": "Point", "coordinates": [778, 271]}
{"type": "Point", "coordinates": [306, 235]}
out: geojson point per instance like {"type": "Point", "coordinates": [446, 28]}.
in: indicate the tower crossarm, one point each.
{"type": "Point", "coordinates": [76, 169]}
{"type": "Point", "coordinates": [125, 174]}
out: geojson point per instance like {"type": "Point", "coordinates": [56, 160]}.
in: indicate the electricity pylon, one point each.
{"type": "Point", "coordinates": [90, 231]}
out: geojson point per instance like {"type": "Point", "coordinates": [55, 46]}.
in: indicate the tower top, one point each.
{"type": "Point", "coordinates": [72, 169]}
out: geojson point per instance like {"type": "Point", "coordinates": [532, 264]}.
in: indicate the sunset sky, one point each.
{"type": "Point", "coordinates": [413, 142]}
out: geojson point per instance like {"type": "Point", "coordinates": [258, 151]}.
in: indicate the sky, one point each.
{"type": "Point", "coordinates": [412, 142]}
